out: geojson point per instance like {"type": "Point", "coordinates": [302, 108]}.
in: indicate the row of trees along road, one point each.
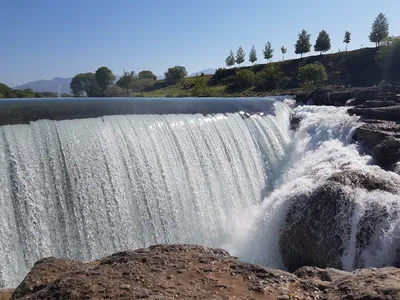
{"type": "Point", "coordinates": [379, 33]}
{"type": "Point", "coordinates": [102, 83]}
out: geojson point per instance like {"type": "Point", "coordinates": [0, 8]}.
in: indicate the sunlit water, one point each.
{"type": "Point", "coordinates": [86, 188]}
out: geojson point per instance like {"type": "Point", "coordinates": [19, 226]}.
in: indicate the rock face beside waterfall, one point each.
{"type": "Point", "coordinates": [317, 225]}
{"type": "Point", "coordinates": [359, 96]}
{"type": "Point", "coordinates": [195, 272]}
{"type": "Point", "coordinates": [381, 131]}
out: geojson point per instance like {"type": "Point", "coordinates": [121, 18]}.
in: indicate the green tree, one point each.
{"type": "Point", "coordinates": [105, 78]}
{"type": "Point", "coordinates": [5, 90]}
{"type": "Point", "coordinates": [115, 91]}
{"type": "Point", "coordinates": [283, 50]}
{"type": "Point", "coordinates": [142, 84]}
{"type": "Point", "coordinates": [84, 83]}
{"type": "Point", "coordinates": [147, 74]}
{"type": "Point", "coordinates": [269, 78]}
{"type": "Point", "coordinates": [388, 57]}
{"type": "Point", "coordinates": [175, 74]}
{"type": "Point", "coordinates": [380, 30]}
{"type": "Point", "coordinates": [312, 74]}
{"type": "Point", "coordinates": [253, 55]}
{"type": "Point", "coordinates": [347, 38]}
{"type": "Point", "coordinates": [200, 87]}
{"type": "Point", "coordinates": [230, 60]}
{"type": "Point", "coordinates": [268, 51]}
{"type": "Point", "coordinates": [323, 42]}
{"type": "Point", "coordinates": [240, 55]}
{"type": "Point", "coordinates": [126, 80]}
{"type": "Point", "coordinates": [303, 44]}
{"type": "Point", "coordinates": [244, 79]}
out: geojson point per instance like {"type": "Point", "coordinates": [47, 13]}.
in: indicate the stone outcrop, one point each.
{"type": "Point", "coordinates": [317, 225]}
{"type": "Point", "coordinates": [195, 272]}
{"type": "Point", "coordinates": [382, 141]}
{"type": "Point", "coordinates": [381, 131]}
{"type": "Point", "coordinates": [387, 113]}
{"type": "Point", "coordinates": [360, 96]}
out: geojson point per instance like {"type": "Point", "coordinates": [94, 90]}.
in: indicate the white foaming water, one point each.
{"type": "Point", "coordinates": [83, 189]}
{"type": "Point", "coordinates": [320, 147]}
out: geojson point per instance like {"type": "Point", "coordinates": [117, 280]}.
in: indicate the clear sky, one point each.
{"type": "Point", "coordinates": [42, 39]}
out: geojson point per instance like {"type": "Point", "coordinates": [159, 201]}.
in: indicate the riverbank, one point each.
{"type": "Point", "coordinates": [196, 272]}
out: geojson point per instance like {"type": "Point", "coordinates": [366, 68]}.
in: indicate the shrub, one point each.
{"type": "Point", "coordinates": [115, 91]}
{"type": "Point", "coordinates": [269, 78]}
{"type": "Point", "coordinates": [244, 79]}
{"type": "Point", "coordinates": [142, 84]}
{"type": "Point", "coordinates": [200, 87]}
{"type": "Point", "coordinates": [314, 73]}
{"type": "Point", "coordinates": [188, 84]}
{"type": "Point", "coordinates": [224, 76]}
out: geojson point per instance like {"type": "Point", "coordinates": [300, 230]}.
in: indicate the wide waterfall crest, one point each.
{"type": "Point", "coordinates": [86, 188]}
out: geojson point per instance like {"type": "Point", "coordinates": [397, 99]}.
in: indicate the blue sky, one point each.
{"type": "Point", "coordinates": [42, 39]}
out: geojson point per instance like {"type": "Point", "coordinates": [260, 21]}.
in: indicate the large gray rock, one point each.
{"type": "Point", "coordinates": [317, 226]}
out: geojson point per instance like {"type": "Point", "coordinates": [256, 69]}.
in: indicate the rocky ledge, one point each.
{"type": "Point", "coordinates": [195, 272]}
{"type": "Point", "coordinates": [380, 133]}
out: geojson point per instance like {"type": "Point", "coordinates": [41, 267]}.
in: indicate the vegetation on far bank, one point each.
{"type": "Point", "coordinates": [7, 92]}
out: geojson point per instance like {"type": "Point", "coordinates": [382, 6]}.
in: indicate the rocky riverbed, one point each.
{"type": "Point", "coordinates": [196, 272]}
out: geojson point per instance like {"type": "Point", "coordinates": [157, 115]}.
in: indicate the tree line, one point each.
{"type": "Point", "coordinates": [103, 83]}
{"type": "Point", "coordinates": [379, 33]}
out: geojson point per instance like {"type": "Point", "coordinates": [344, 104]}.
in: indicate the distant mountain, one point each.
{"type": "Point", "coordinates": [48, 85]}
{"type": "Point", "coordinates": [209, 71]}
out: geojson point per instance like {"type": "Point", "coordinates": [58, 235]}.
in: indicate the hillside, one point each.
{"type": "Point", "coordinates": [7, 92]}
{"type": "Point", "coordinates": [356, 68]}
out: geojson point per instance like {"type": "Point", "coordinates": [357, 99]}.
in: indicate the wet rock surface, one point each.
{"type": "Point", "coordinates": [315, 226]}
{"type": "Point", "coordinates": [318, 223]}
{"type": "Point", "coordinates": [195, 272]}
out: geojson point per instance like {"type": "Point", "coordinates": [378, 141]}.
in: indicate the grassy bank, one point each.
{"type": "Point", "coordinates": [356, 68]}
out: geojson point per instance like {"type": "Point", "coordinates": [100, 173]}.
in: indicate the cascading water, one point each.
{"type": "Point", "coordinates": [86, 188]}
{"type": "Point", "coordinates": [320, 147]}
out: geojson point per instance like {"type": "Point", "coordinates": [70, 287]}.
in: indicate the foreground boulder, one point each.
{"type": "Point", "coordinates": [317, 226]}
{"type": "Point", "coordinates": [195, 272]}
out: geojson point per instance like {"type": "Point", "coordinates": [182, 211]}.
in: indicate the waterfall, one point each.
{"type": "Point", "coordinates": [86, 188]}
{"type": "Point", "coordinates": [320, 147]}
